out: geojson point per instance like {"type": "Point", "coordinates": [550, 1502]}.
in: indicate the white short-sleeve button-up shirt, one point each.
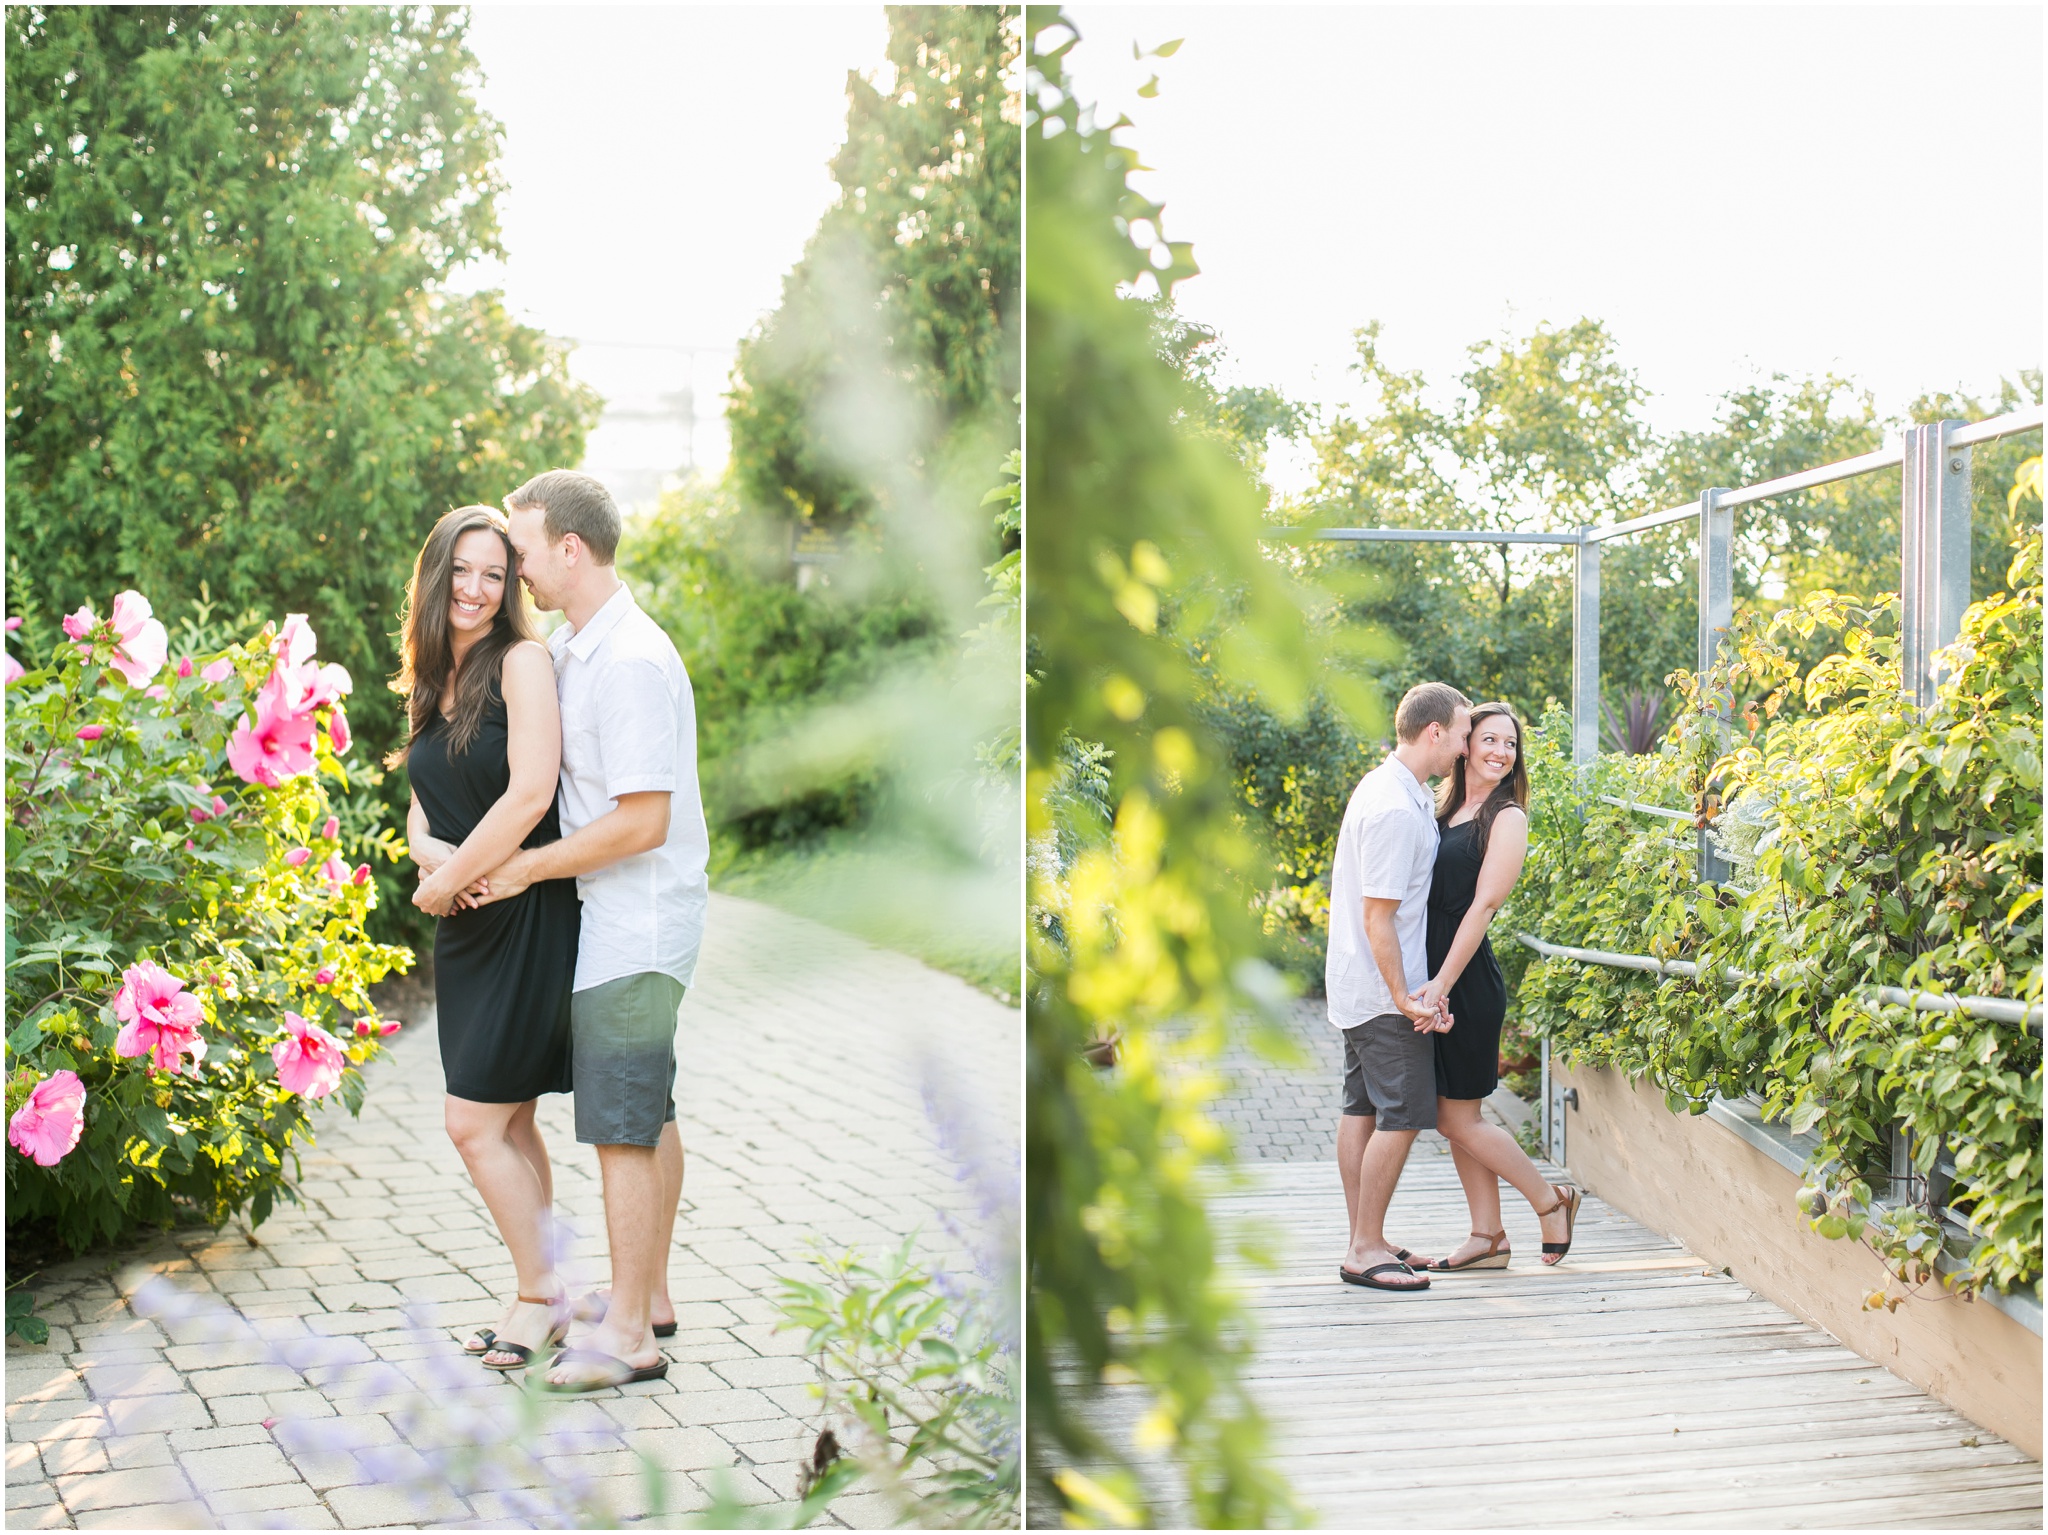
{"type": "Point", "coordinates": [1386, 848]}
{"type": "Point", "coordinates": [629, 725]}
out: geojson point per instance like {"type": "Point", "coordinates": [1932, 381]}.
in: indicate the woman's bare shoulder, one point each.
{"type": "Point", "coordinates": [529, 656]}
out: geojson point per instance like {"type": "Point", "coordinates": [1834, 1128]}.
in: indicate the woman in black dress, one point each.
{"type": "Point", "coordinates": [1483, 822]}
{"type": "Point", "coordinates": [484, 754]}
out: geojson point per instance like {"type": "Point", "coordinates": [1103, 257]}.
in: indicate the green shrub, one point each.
{"type": "Point", "coordinates": [1871, 846]}
{"type": "Point", "coordinates": [144, 845]}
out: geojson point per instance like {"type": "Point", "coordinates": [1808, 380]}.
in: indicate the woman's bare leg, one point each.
{"type": "Point", "coordinates": [500, 1162]}
{"type": "Point", "coordinates": [1498, 1153]}
{"type": "Point", "coordinates": [1482, 1194]}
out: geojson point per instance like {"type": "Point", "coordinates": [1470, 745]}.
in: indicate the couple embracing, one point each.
{"type": "Point", "coordinates": [1414, 987]}
{"type": "Point", "coordinates": [561, 842]}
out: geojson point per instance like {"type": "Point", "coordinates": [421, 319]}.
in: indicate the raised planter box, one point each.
{"type": "Point", "coordinates": [1720, 1185]}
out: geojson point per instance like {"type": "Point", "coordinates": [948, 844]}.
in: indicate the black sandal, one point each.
{"type": "Point", "coordinates": [1568, 1200]}
{"type": "Point", "coordinates": [484, 1335]}
{"type": "Point", "coordinates": [592, 1309]}
{"type": "Point", "coordinates": [1368, 1282]}
{"type": "Point", "coordinates": [522, 1356]}
{"type": "Point", "coordinates": [628, 1374]}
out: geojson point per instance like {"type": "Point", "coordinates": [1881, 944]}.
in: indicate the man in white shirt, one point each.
{"type": "Point", "coordinates": [633, 835]}
{"type": "Point", "coordinates": [1376, 967]}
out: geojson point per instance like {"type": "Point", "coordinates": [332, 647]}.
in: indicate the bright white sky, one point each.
{"type": "Point", "coordinates": [1735, 191]}
{"type": "Point", "coordinates": [665, 166]}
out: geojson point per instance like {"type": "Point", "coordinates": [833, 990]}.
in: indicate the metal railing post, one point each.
{"type": "Point", "coordinates": [1934, 553]}
{"type": "Point", "coordinates": [1586, 652]}
{"type": "Point", "coordinates": [1717, 617]}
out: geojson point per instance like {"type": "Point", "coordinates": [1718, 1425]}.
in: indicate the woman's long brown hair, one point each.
{"type": "Point", "coordinates": [427, 650]}
{"type": "Point", "coordinates": [1511, 790]}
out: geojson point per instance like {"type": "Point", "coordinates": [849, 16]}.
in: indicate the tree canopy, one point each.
{"type": "Point", "coordinates": [233, 364]}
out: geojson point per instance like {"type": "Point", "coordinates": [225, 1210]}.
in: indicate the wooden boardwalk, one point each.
{"type": "Point", "coordinates": [1625, 1386]}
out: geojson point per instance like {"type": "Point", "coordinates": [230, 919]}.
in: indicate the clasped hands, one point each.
{"type": "Point", "coordinates": [437, 897]}
{"type": "Point", "coordinates": [1428, 1009]}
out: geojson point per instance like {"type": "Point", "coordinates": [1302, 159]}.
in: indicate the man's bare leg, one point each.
{"type": "Point", "coordinates": [1354, 1132]}
{"type": "Point", "coordinates": [669, 1153]}
{"type": "Point", "coordinates": [1379, 1170]}
{"type": "Point", "coordinates": [633, 1188]}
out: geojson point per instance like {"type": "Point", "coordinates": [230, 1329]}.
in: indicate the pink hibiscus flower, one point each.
{"type": "Point", "coordinates": [279, 745]}
{"type": "Point", "coordinates": [145, 645]}
{"type": "Point", "coordinates": [311, 687]}
{"type": "Point", "coordinates": [310, 1062]}
{"type": "Point", "coordinates": [13, 668]}
{"type": "Point", "coordinates": [295, 642]}
{"type": "Point", "coordinates": [49, 1124]}
{"type": "Point", "coordinates": [334, 871]}
{"type": "Point", "coordinates": [161, 1019]}
{"type": "Point", "coordinates": [78, 625]}
{"type": "Point", "coordinates": [218, 671]}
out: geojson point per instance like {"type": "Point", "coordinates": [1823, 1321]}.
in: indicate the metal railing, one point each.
{"type": "Point", "coordinates": [1997, 1009]}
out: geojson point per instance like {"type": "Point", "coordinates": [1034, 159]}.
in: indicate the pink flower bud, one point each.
{"type": "Point", "coordinates": [297, 856]}
{"type": "Point", "coordinates": [389, 1027]}
{"type": "Point", "coordinates": [331, 829]}
{"type": "Point", "coordinates": [184, 666]}
{"type": "Point", "coordinates": [13, 624]}
{"type": "Point", "coordinates": [91, 732]}
{"type": "Point", "coordinates": [220, 671]}
{"type": "Point", "coordinates": [220, 806]}
{"type": "Point", "coordinates": [200, 813]}
{"type": "Point", "coordinates": [323, 977]}
{"type": "Point", "coordinates": [188, 844]}
{"type": "Point", "coordinates": [362, 1027]}
{"type": "Point", "coordinates": [361, 876]}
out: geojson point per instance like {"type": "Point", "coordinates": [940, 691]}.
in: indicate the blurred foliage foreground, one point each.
{"type": "Point", "coordinates": [1138, 866]}
{"type": "Point", "coordinates": [847, 596]}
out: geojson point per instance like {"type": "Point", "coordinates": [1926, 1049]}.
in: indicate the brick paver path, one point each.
{"type": "Point", "coordinates": [805, 1056]}
{"type": "Point", "coordinates": [1278, 1113]}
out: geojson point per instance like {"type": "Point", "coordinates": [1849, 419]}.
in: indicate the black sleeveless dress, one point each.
{"type": "Point", "coordinates": [1468, 1057]}
{"type": "Point", "coordinates": [503, 971]}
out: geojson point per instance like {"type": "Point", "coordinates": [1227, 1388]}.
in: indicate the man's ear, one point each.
{"type": "Point", "coordinates": [572, 550]}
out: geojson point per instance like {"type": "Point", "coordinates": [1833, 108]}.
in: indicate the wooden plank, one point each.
{"type": "Point", "coordinates": [1547, 1397]}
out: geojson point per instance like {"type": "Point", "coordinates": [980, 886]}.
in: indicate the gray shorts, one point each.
{"type": "Point", "coordinates": [623, 1039]}
{"type": "Point", "coordinates": [1390, 1073]}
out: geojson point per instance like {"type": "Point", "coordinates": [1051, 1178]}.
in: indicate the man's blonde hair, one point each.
{"type": "Point", "coordinates": [1427, 704]}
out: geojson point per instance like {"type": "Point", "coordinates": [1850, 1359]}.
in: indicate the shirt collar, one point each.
{"type": "Point", "coordinates": [1417, 789]}
{"type": "Point", "coordinates": [602, 622]}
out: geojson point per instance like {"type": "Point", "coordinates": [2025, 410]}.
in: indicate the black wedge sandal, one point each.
{"type": "Point", "coordinates": [1568, 1200]}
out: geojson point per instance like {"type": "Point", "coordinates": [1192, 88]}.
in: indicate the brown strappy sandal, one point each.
{"type": "Point", "coordinates": [1568, 1200]}
{"type": "Point", "coordinates": [1495, 1257]}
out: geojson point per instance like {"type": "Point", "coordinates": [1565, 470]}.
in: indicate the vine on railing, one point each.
{"type": "Point", "coordinates": [1870, 846]}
